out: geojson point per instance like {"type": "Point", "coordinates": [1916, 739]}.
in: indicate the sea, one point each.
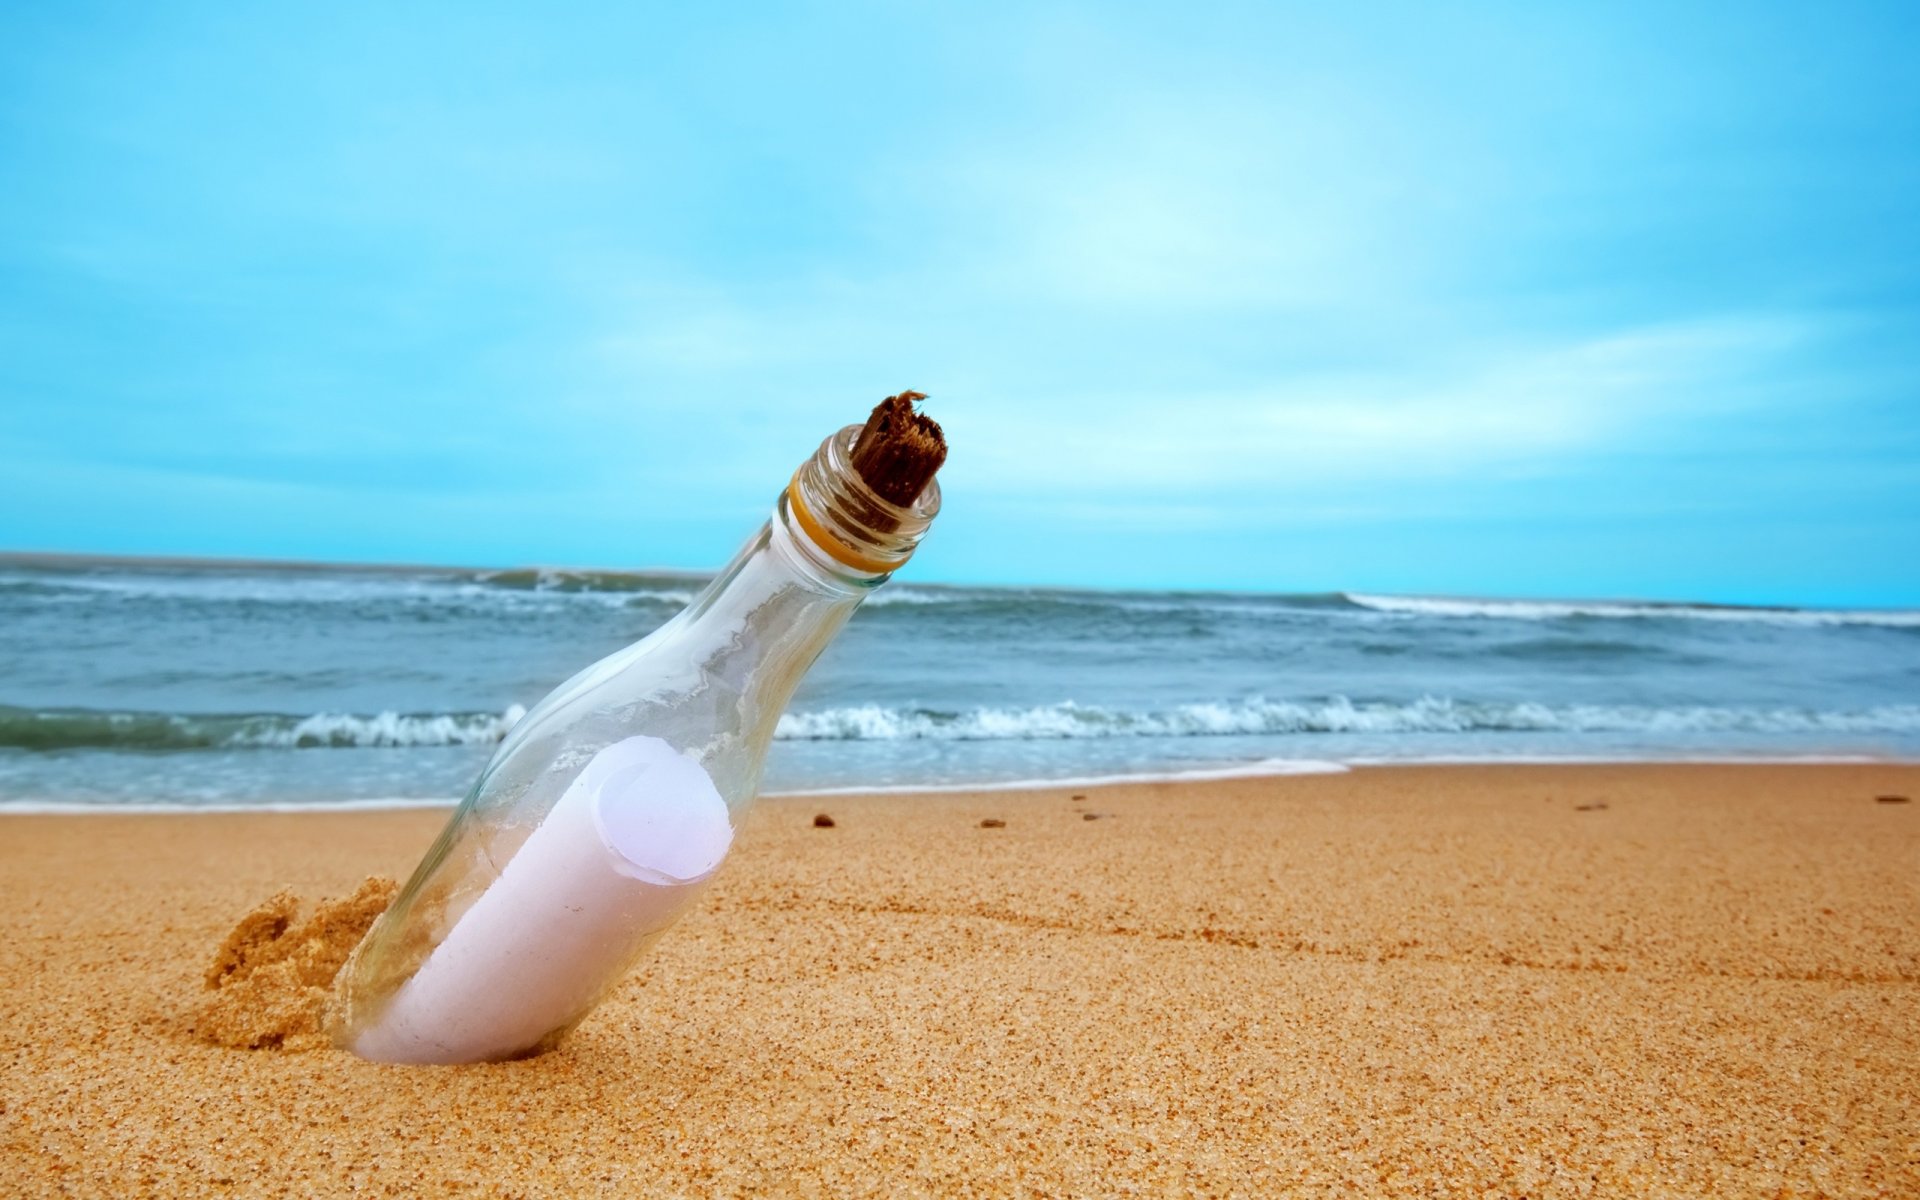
{"type": "Point", "coordinates": [134, 685]}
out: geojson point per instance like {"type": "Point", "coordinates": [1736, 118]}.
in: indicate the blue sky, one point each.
{"type": "Point", "coordinates": [1616, 300]}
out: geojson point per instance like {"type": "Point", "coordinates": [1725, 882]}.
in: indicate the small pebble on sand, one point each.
{"type": "Point", "coordinates": [1890, 799]}
{"type": "Point", "coordinates": [992, 823]}
{"type": "Point", "coordinates": [822, 821]}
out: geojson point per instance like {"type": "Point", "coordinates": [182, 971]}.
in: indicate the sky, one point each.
{"type": "Point", "coordinates": [1538, 300]}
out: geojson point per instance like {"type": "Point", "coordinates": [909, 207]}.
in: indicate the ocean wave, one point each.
{"type": "Point", "coordinates": [81, 729]}
{"type": "Point", "coordinates": [897, 594]}
{"type": "Point", "coordinates": [1555, 610]}
{"type": "Point", "coordinates": [1009, 600]}
{"type": "Point", "coordinates": [76, 729]}
{"type": "Point", "coordinates": [386, 729]}
{"type": "Point", "coordinates": [557, 581]}
{"type": "Point", "coordinates": [1335, 715]}
{"type": "Point", "coordinates": [1010, 597]}
{"type": "Point", "coordinates": [512, 590]}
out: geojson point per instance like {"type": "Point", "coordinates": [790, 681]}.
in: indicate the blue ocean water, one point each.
{"type": "Point", "coordinates": [130, 683]}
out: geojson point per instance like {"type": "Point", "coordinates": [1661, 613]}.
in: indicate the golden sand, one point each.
{"type": "Point", "coordinates": [271, 983]}
{"type": "Point", "coordinates": [1442, 981]}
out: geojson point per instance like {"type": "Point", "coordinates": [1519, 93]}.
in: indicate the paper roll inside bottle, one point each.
{"type": "Point", "coordinates": [616, 860]}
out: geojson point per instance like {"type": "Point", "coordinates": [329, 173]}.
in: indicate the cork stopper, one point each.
{"type": "Point", "coordinates": [899, 450]}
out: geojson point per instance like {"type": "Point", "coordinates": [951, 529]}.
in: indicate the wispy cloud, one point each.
{"type": "Point", "coordinates": [1523, 407]}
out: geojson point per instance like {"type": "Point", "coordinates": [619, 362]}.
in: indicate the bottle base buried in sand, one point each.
{"type": "Point", "coordinates": [618, 858]}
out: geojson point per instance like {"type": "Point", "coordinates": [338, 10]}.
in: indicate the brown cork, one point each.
{"type": "Point", "coordinates": [899, 450]}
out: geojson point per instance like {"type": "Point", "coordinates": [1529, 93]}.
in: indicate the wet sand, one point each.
{"type": "Point", "coordinates": [1428, 981]}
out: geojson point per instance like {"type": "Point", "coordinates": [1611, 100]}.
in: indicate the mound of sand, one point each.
{"type": "Point", "coordinates": [271, 982]}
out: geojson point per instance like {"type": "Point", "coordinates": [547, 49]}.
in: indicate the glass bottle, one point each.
{"type": "Point", "coordinates": [610, 804]}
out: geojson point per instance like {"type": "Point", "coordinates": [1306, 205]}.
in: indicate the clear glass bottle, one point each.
{"type": "Point", "coordinates": [611, 802]}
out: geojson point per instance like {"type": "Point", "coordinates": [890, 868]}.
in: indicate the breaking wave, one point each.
{"type": "Point", "coordinates": [70, 729]}
{"type": "Point", "coordinates": [1334, 715]}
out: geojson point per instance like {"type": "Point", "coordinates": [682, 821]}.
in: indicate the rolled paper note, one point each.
{"type": "Point", "coordinates": [616, 859]}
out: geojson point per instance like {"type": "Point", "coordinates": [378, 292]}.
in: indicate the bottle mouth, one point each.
{"type": "Point", "coordinates": [848, 521]}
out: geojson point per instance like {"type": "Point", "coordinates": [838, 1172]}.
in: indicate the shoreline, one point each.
{"type": "Point", "coordinates": [1263, 769]}
{"type": "Point", "coordinates": [1640, 979]}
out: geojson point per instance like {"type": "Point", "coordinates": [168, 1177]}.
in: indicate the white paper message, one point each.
{"type": "Point", "coordinates": [617, 858]}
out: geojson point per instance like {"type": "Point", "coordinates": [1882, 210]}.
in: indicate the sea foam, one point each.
{"type": "Point", "coordinates": [1556, 610]}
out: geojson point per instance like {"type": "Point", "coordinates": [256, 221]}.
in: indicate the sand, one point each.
{"type": "Point", "coordinates": [1543, 981]}
{"type": "Point", "coordinates": [271, 985]}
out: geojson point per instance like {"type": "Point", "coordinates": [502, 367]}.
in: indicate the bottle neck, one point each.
{"type": "Point", "coordinates": [765, 619]}
{"type": "Point", "coordinates": [714, 680]}
{"type": "Point", "coordinates": [847, 530]}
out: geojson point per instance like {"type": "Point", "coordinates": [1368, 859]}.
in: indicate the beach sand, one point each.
{"type": "Point", "coordinates": [1567, 980]}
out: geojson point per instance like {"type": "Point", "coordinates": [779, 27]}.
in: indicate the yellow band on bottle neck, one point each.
{"type": "Point", "coordinates": [836, 549]}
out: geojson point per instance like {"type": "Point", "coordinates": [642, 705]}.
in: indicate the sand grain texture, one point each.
{"type": "Point", "coordinates": [1437, 981]}
{"type": "Point", "coordinates": [271, 983]}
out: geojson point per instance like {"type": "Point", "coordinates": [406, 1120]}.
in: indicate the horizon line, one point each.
{"type": "Point", "coordinates": [63, 559]}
